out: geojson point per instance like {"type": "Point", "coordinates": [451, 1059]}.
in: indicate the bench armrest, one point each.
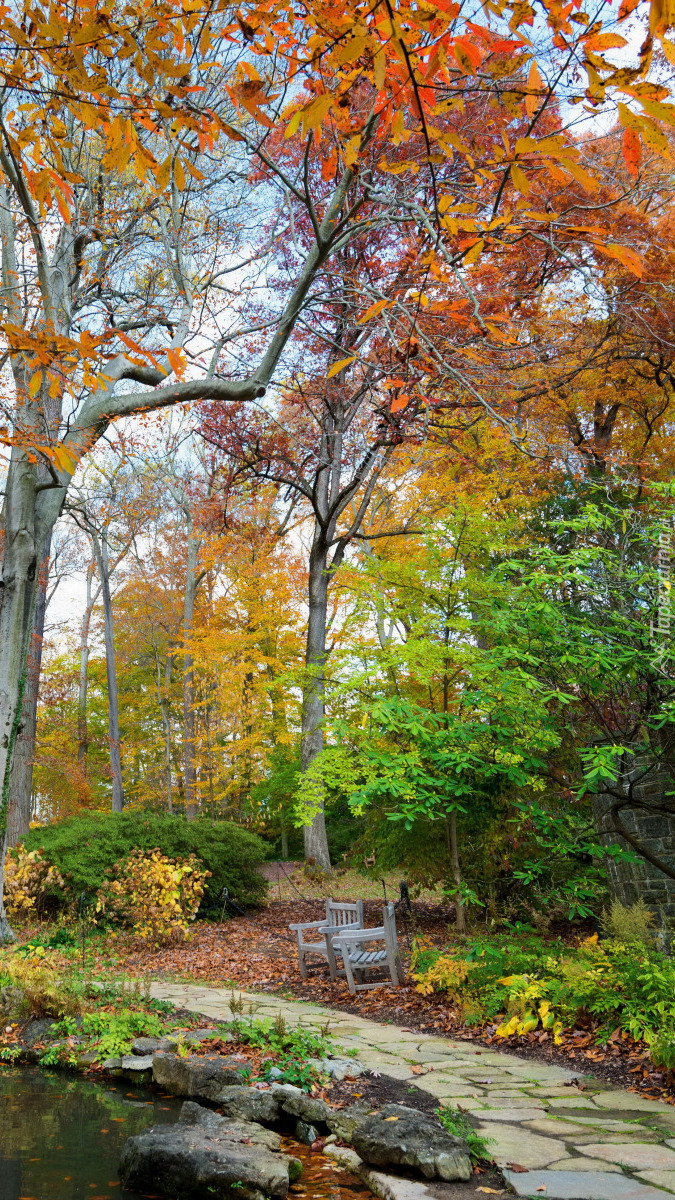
{"type": "Point", "coordinates": [361, 935]}
{"type": "Point", "coordinates": [332, 930]}
{"type": "Point", "coordinates": [309, 925]}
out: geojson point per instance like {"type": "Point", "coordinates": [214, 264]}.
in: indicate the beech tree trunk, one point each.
{"type": "Point", "coordinates": [101, 550]}
{"type": "Point", "coordinates": [21, 770]}
{"type": "Point", "coordinates": [19, 572]}
{"type": "Point", "coordinates": [314, 691]}
{"type": "Point", "coordinates": [189, 771]}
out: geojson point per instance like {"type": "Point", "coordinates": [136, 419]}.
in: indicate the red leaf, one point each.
{"type": "Point", "coordinates": [632, 151]}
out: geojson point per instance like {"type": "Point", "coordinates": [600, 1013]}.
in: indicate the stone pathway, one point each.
{"type": "Point", "coordinates": [590, 1144]}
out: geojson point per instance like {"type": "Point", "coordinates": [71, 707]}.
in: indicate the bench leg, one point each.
{"type": "Point", "coordinates": [349, 974]}
{"type": "Point", "coordinates": [301, 958]}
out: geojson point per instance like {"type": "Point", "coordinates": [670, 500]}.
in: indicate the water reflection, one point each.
{"type": "Point", "coordinates": [61, 1136]}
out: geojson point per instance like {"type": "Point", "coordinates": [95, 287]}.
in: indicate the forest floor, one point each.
{"type": "Point", "coordinates": [257, 952]}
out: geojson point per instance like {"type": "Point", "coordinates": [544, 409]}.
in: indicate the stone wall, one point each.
{"type": "Point", "coordinates": [631, 881]}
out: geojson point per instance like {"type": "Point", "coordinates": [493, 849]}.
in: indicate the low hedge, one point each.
{"type": "Point", "coordinates": [84, 847]}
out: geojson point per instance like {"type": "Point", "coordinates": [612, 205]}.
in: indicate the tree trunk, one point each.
{"type": "Point", "coordinates": [82, 731]}
{"type": "Point", "coordinates": [165, 709]}
{"type": "Point", "coordinates": [189, 771]}
{"type": "Point", "coordinates": [19, 570]}
{"type": "Point", "coordinates": [23, 758]}
{"type": "Point", "coordinates": [313, 695]}
{"type": "Point", "coordinates": [111, 676]}
{"type": "Point", "coordinates": [453, 852]}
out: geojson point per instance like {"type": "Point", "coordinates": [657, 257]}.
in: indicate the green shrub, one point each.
{"type": "Point", "coordinates": [84, 847]}
{"type": "Point", "coordinates": [530, 984]}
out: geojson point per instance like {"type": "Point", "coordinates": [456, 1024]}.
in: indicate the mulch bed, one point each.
{"type": "Point", "coordinates": [257, 953]}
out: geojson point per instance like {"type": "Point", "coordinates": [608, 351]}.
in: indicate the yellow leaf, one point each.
{"type": "Point", "coordinates": [519, 180]}
{"type": "Point", "coordinates": [337, 366]}
{"type": "Point", "coordinates": [63, 459]}
{"type": "Point", "coordinates": [293, 124]}
{"type": "Point", "coordinates": [316, 112]}
{"type": "Point", "coordinates": [534, 83]}
{"type": "Point", "coordinates": [351, 50]}
{"type": "Point", "coordinates": [35, 383]}
{"type": "Point", "coordinates": [179, 175]}
{"type": "Point", "coordinates": [379, 69]}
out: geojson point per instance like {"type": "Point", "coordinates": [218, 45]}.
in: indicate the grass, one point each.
{"type": "Point", "coordinates": [341, 884]}
{"type": "Point", "coordinates": [460, 1124]}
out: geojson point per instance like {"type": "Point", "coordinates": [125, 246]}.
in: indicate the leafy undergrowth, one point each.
{"type": "Point", "coordinates": [257, 953]}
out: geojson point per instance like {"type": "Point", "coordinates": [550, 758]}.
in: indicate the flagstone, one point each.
{"type": "Point", "coordinates": [558, 1128]}
{"type": "Point", "coordinates": [583, 1164]}
{"type": "Point", "coordinates": [437, 1086]}
{"type": "Point", "coordinates": [508, 1144]}
{"type": "Point", "coordinates": [580, 1185]}
{"type": "Point", "coordinates": [663, 1179]}
{"type": "Point", "coordinates": [513, 1116]}
{"type": "Point", "coordinates": [631, 1101]}
{"type": "Point", "coordinates": [570, 1102]}
{"type": "Point", "coordinates": [639, 1155]}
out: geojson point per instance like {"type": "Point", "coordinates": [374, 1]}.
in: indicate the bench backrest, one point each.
{"type": "Point", "coordinates": [342, 912]}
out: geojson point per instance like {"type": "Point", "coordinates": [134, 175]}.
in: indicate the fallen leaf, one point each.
{"type": "Point", "coordinates": [490, 1191]}
{"type": "Point", "coordinates": [417, 1070]}
{"type": "Point", "coordinates": [391, 1118]}
{"type": "Point", "coordinates": [517, 1168]}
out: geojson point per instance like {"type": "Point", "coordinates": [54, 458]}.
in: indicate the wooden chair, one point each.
{"type": "Point", "coordinates": [352, 946]}
{"type": "Point", "coordinates": [340, 915]}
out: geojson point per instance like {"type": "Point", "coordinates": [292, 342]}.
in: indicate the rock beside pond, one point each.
{"type": "Point", "coordinates": [150, 1045]}
{"type": "Point", "coordinates": [249, 1104]}
{"type": "Point", "coordinates": [207, 1154]}
{"type": "Point", "coordinates": [343, 1121]}
{"type": "Point", "coordinates": [401, 1136]}
{"type": "Point", "coordinates": [37, 1031]}
{"type": "Point", "coordinates": [134, 1067]}
{"type": "Point", "coordinates": [194, 1076]}
{"type": "Point", "coordinates": [298, 1104]}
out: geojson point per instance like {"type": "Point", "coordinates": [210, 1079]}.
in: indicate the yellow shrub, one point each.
{"type": "Point", "coordinates": [28, 875]}
{"type": "Point", "coordinates": [156, 895]}
{"type": "Point", "coordinates": [47, 992]}
{"type": "Point", "coordinates": [446, 975]}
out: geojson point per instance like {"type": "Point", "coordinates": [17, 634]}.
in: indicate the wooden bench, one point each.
{"type": "Point", "coordinates": [364, 950]}
{"type": "Point", "coordinates": [340, 915]}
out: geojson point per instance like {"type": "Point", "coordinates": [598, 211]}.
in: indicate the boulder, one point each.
{"type": "Point", "coordinates": [340, 1068]}
{"type": "Point", "coordinates": [343, 1121]}
{"type": "Point", "coordinates": [37, 1031]}
{"type": "Point", "coordinates": [297, 1103]}
{"type": "Point", "coordinates": [202, 1078]}
{"type": "Point", "coordinates": [249, 1104]}
{"type": "Point", "coordinates": [206, 1154]}
{"type": "Point", "coordinates": [401, 1136]}
{"type": "Point", "coordinates": [133, 1067]}
{"type": "Point", "coordinates": [307, 1134]}
{"type": "Point", "coordinates": [150, 1045]}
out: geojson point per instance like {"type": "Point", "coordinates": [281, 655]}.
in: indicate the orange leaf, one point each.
{"type": "Point", "coordinates": [632, 151]}
{"type": "Point", "coordinates": [474, 253]}
{"type": "Point", "coordinates": [373, 311]}
{"type": "Point", "coordinates": [628, 258]}
{"type": "Point", "coordinates": [399, 402]}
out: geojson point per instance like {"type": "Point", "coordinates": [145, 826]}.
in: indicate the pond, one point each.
{"type": "Point", "coordinates": [61, 1137]}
